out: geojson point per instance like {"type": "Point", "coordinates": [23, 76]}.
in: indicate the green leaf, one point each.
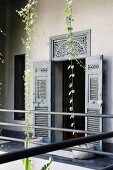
{"type": "Point", "coordinates": [66, 9]}
{"type": "Point", "coordinates": [71, 75]}
{"type": "Point", "coordinates": [69, 67]}
{"type": "Point", "coordinates": [72, 67]}
{"type": "Point", "coordinates": [47, 166]}
{"type": "Point", "coordinates": [71, 109]}
{"type": "Point", "coordinates": [71, 117]}
{"type": "Point", "coordinates": [27, 164]}
{"type": "Point", "coordinates": [72, 124]}
{"type": "Point", "coordinates": [71, 92]}
{"type": "Point", "coordinates": [70, 85]}
{"type": "Point", "coordinates": [71, 100]}
{"type": "Point", "coordinates": [23, 161]}
{"type": "Point", "coordinates": [70, 29]}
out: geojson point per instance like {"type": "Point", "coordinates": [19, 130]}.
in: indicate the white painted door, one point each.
{"type": "Point", "coordinates": [41, 97]}
{"type": "Point", "coordinates": [93, 95]}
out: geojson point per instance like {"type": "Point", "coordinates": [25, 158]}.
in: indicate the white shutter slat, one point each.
{"type": "Point", "coordinates": [41, 98]}
{"type": "Point", "coordinates": [93, 91]}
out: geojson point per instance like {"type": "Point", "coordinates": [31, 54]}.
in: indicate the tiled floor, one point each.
{"type": "Point", "coordinates": [97, 163]}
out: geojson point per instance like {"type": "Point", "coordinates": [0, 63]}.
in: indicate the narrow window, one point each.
{"type": "Point", "coordinates": [19, 66]}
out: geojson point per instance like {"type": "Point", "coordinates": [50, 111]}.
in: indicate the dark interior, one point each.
{"type": "Point", "coordinates": [19, 63]}
{"type": "Point", "coordinates": [79, 98]}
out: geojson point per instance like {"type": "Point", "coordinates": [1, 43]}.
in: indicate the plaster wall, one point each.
{"type": "Point", "coordinates": [96, 15]}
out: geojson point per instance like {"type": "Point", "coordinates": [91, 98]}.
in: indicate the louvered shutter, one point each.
{"type": "Point", "coordinates": [93, 93]}
{"type": "Point", "coordinates": [41, 97]}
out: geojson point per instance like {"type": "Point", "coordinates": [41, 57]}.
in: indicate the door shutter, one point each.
{"type": "Point", "coordinates": [41, 97]}
{"type": "Point", "coordinates": [93, 91]}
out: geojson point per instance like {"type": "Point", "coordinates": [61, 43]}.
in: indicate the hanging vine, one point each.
{"type": "Point", "coordinates": [28, 15]}
{"type": "Point", "coordinates": [72, 54]}
{"type": "Point", "coordinates": [1, 56]}
{"type": "Point", "coordinates": [1, 61]}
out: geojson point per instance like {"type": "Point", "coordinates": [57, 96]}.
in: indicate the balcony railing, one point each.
{"type": "Point", "coordinates": [54, 146]}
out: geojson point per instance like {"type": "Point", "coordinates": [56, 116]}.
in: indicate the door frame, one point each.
{"type": "Point", "coordinates": [52, 41]}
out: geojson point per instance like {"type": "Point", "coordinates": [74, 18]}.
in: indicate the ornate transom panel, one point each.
{"type": "Point", "coordinates": [81, 44]}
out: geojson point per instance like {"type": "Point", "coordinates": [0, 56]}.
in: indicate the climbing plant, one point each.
{"type": "Point", "coordinates": [2, 62]}
{"type": "Point", "coordinates": [28, 15]}
{"type": "Point", "coordinates": [72, 54]}
{"type": "Point", "coordinates": [1, 56]}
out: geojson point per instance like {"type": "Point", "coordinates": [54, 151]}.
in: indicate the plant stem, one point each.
{"type": "Point", "coordinates": [28, 16]}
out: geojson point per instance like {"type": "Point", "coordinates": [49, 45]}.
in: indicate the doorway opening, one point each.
{"type": "Point", "coordinates": [60, 96]}
{"type": "Point", "coordinates": [79, 98]}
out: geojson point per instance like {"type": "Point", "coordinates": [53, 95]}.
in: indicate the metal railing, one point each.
{"type": "Point", "coordinates": [35, 151]}
{"type": "Point", "coordinates": [51, 128]}
{"type": "Point", "coordinates": [54, 113]}
{"type": "Point", "coordinates": [56, 146]}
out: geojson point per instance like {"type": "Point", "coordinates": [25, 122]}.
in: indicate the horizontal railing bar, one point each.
{"type": "Point", "coordinates": [60, 113]}
{"type": "Point", "coordinates": [76, 114]}
{"type": "Point", "coordinates": [71, 148]}
{"type": "Point", "coordinates": [49, 128]}
{"type": "Point", "coordinates": [90, 151]}
{"type": "Point", "coordinates": [12, 139]}
{"type": "Point", "coordinates": [11, 110]}
{"type": "Point", "coordinates": [25, 153]}
{"type": "Point", "coordinates": [81, 149]}
{"type": "Point", "coordinates": [11, 124]}
{"type": "Point", "coordinates": [68, 149]}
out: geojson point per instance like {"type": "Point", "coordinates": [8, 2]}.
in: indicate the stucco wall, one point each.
{"type": "Point", "coordinates": [96, 15]}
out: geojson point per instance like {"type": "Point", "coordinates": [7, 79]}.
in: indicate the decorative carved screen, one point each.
{"type": "Point", "coordinates": [81, 44]}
